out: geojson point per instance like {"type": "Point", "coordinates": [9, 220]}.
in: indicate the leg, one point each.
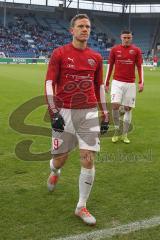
{"type": "Point", "coordinates": [126, 123]}
{"type": "Point", "coordinates": [86, 176]}
{"type": "Point", "coordinates": [62, 144]}
{"type": "Point", "coordinates": [115, 114]}
{"type": "Point", "coordinates": [56, 163]}
{"type": "Point", "coordinates": [116, 120]}
{"type": "Point", "coordinates": [116, 99]}
{"type": "Point", "coordinates": [86, 180]}
{"type": "Point", "coordinates": [129, 103]}
{"type": "Point", "coordinates": [88, 140]}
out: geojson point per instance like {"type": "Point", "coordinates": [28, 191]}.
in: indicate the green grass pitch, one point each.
{"type": "Point", "coordinates": [127, 184]}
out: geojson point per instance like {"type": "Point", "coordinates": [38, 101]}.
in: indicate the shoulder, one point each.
{"type": "Point", "coordinates": [94, 53]}
{"type": "Point", "coordinates": [61, 50]}
{"type": "Point", "coordinates": [115, 47]}
{"type": "Point", "coordinates": [97, 54]}
{"type": "Point", "coordinates": [137, 49]}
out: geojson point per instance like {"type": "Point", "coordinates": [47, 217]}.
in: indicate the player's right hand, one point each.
{"type": "Point", "coordinates": [141, 86]}
{"type": "Point", "coordinates": [107, 89]}
{"type": "Point", "coordinates": [57, 122]}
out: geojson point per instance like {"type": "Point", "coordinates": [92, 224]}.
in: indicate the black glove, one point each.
{"type": "Point", "coordinates": [57, 122]}
{"type": "Point", "coordinates": [104, 127]}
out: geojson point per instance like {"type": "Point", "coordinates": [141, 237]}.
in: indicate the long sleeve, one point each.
{"type": "Point", "coordinates": [139, 64]}
{"type": "Point", "coordinates": [100, 90]}
{"type": "Point", "coordinates": [109, 67]}
{"type": "Point", "coordinates": [51, 81]}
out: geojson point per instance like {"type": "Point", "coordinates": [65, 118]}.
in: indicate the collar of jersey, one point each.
{"type": "Point", "coordinates": [78, 49]}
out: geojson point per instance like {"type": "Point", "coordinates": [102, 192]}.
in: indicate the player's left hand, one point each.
{"type": "Point", "coordinates": [105, 122]}
{"type": "Point", "coordinates": [141, 86]}
{"type": "Point", "coordinates": [104, 126]}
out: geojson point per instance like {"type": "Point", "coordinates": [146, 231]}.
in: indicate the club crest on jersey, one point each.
{"type": "Point", "coordinates": [131, 51]}
{"type": "Point", "coordinates": [91, 62]}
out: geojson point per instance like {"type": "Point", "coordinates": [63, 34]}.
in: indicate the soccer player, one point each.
{"type": "Point", "coordinates": [124, 58]}
{"type": "Point", "coordinates": [74, 86]}
{"type": "Point", "coordinates": [155, 62]}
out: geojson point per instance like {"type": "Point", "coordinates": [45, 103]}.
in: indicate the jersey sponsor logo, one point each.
{"type": "Point", "coordinates": [128, 61]}
{"type": "Point", "coordinates": [83, 85]}
{"type": "Point", "coordinates": [91, 62]}
{"type": "Point", "coordinates": [76, 77]}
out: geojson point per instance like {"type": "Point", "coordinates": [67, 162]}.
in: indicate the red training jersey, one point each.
{"type": "Point", "coordinates": [155, 59]}
{"type": "Point", "coordinates": [125, 58]}
{"type": "Point", "coordinates": [76, 75]}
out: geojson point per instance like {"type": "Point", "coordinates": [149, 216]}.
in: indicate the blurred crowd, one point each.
{"type": "Point", "coordinates": [23, 39]}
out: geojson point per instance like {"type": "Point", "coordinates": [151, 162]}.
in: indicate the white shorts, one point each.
{"type": "Point", "coordinates": [81, 128]}
{"type": "Point", "coordinates": [123, 93]}
{"type": "Point", "coordinates": [155, 64]}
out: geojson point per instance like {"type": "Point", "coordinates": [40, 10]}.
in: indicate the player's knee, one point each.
{"type": "Point", "coordinates": [115, 106]}
{"type": "Point", "coordinates": [127, 117]}
{"type": "Point", "coordinates": [126, 108]}
{"type": "Point", "coordinates": [87, 159]}
{"type": "Point", "coordinates": [60, 159]}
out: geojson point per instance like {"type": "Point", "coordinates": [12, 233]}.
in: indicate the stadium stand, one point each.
{"type": "Point", "coordinates": [33, 35]}
{"type": "Point", "coordinates": [142, 28]}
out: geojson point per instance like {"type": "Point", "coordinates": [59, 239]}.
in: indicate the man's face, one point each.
{"type": "Point", "coordinates": [81, 30]}
{"type": "Point", "coordinates": [126, 39]}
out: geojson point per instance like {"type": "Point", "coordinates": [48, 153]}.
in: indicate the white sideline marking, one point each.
{"type": "Point", "coordinates": [119, 230]}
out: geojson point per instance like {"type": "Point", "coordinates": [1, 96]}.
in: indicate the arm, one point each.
{"type": "Point", "coordinates": [139, 64]}
{"type": "Point", "coordinates": [109, 69]}
{"type": "Point", "coordinates": [49, 94]}
{"type": "Point", "coordinates": [100, 95]}
{"type": "Point", "coordinates": [103, 104]}
{"type": "Point", "coordinates": [57, 120]}
{"type": "Point", "coordinates": [51, 81]}
{"type": "Point", "coordinates": [105, 119]}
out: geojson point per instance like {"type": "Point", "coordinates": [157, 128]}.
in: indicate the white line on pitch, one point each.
{"type": "Point", "coordinates": [119, 230]}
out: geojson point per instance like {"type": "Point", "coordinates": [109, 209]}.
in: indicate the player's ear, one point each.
{"type": "Point", "coordinates": [71, 30]}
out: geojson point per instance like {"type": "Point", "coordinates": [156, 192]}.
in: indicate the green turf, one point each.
{"type": "Point", "coordinates": [127, 180]}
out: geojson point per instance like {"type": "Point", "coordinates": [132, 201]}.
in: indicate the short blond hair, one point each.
{"type": "Point", "coordinates": [76, 17]}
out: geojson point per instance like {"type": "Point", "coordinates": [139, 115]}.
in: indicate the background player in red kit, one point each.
{"type": "Point", "coordinates": [155, 61]}
{"type": "Point", "coordinates": [123, 90]}
{"type": "Point", "coordinates": [74, 86]}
